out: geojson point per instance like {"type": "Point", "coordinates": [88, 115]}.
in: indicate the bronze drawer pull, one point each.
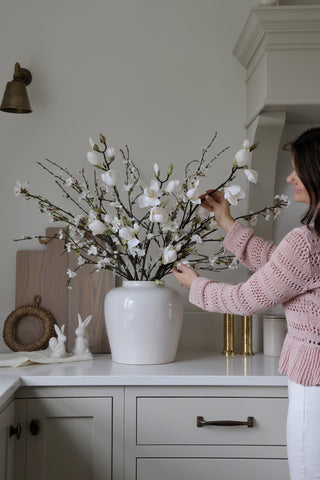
{"type": "Point", "coordinates": [201, 422]}
{"type": "Point", "coordinates": [15, 431]}
{"type": "Point", "coordinates": [34, 427]}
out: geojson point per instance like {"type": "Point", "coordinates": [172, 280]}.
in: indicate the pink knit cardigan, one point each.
{"type": "Point", "coordinates": [287, 274]}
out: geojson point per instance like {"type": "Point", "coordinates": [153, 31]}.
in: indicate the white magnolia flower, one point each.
{"type": "Point", "coordinates": [193, 193]}
{"type": "Point", "coordinates": [109, 178]}
{"type": "Point", "coordinates": [202, 213]}
{"type": "Point", "coordinates": [77, 219]}
{"type": "Point", "coordinates": [84, 195]}
{"type": "Point", "coordinates": [276, 213]}
{"type": "Point", "coordinates": [212, 223]}
{"type": "Point", "coordinates": [159, 215]}
{"type": "Point", "coordinates": [283, 198]}
{"type": "Point", "coordinates": [150, 195]}
{"type": "Point", "coordinates": [92, 216]}
{"type": "Point", "coordinates": [107, 218]}
{"type": "Point", "coordinates": [156, 169]}
{"type": "Point", "coordinates": [93, 250]}
{"type": "Point", "coordinates": [69, 182]}
{"type": "Point", "coordinates": [170, 227]}
{"type": "Point", "coordinates": [251, 175]}
{"type": "Point", "coordinates": [70, 273]}
{"type": "Point", "coordinates": [173, 186]}
{"type": "Point", "coordinates": [94, 159]}
{"type": "Point", "coordinates": [110, 152]}
{"type": "Point", "coordinates": [137, 252]}
{"type": "Point", "coordinates": [214, 261]}
{"type": "Point", "coordinates": [169, 254]}
{"type": "Point", "coordinates": [133, 243]}
{"type": "Point", "coordinates": [193, 196]}
{"type": "Point", "coordinates": [234, 264]}
{"type": "Point", "coordinates": [81, 261]}
{"type": "Point", "coordinates": [20, 187]}
{"type": "Point", "coordinates": [116, 205]}
{"type": "Point", "coordinates": [91, 142]}
{"type": "Point", "coordinates": [97, 227]}
{"type": "Point", "coordinates": [253, 220]}
{"type": "Point", "coordinates": [233, 194]}
{"type": "Point", "coordinates": [242, 157]}
{"type": "Point", "coordinates": [128, 234]}
{"type": "Point", "coordinates": [102, 263]}
{"type": "Point", "coordinates": [196, 238]}
{"type": "Point", "coordinates": [60, 235]}
{"type": "Point", "coordinates": [116, 224]}
{"type": "Point", "coordinates": [127, 186]}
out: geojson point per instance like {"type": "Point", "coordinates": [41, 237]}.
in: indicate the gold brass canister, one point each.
{"type": "Point", "coordinates": [246, 335]}
{"type": "Point", "coordinates": [228, 334]}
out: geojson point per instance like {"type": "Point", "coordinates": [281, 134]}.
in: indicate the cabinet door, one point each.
{"type": "Point", "coordinates": [211, 469]}
{"type": "Point", "coordinates": [69, 439]}
{"type": "Point", "coordinates": [8, 439]}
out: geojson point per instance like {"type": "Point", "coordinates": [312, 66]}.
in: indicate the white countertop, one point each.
{"type": "Point", "coordinates": [198, 368]}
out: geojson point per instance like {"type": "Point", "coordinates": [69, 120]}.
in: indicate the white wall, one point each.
{"type": "Point", "coordinates": [158, 75]}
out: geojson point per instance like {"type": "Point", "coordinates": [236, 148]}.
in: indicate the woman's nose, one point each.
{"type": "Point", "coordinates": [290, 177]}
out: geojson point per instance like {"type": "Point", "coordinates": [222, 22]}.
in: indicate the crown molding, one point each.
{"type": "Point", "coordinates": [275, 27]}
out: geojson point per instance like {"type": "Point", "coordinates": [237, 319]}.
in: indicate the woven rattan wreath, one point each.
{"type": "Point", "coordinates": [35, 310]}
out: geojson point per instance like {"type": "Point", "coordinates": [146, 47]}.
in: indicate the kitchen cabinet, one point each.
{"type": "Point", "coordinates": [71, 434]}
{"type": "Point", "coordinates": [100, 420]}
{"type": "Point", "coordinates": [183, 433]}
{"type": "Point", "coordinates": [9, 434]}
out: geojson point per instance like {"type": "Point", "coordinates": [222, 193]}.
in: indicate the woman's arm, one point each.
{"type": "Point", "coordinates": [285, 276]}
{"type": "Point", "coordinates": [251, 251]}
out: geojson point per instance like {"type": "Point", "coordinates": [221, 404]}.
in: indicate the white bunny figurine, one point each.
{"type": "Point", "coordinates": [81, 345]}
{"type": "Point", "coordinates": [57, 346]}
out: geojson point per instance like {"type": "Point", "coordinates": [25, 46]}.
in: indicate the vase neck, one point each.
{"type": "Point", "coordinates": [139, 283]}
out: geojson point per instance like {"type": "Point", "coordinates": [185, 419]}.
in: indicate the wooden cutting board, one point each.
{"type": "Point", "coordinates": [43, 272]}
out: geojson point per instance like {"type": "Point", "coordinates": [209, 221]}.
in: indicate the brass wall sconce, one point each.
{"type": "Point", "coordinates": [15, 98]}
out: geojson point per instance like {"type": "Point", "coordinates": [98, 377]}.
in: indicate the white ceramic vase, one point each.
{"type": "Point", "coordinates": [269, 2]}
{"type": "Point", "coordinates": [143, 321]}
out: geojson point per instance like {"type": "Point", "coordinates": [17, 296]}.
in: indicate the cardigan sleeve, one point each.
{"type": "Point", "coordinates": [286, 275]}
{"type": "Point", "coordinates": [252, 251]}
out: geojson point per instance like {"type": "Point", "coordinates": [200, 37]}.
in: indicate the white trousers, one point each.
{"type": "Point", "coordinates": [303, 432]}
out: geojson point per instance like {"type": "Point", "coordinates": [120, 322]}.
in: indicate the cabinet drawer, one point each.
{"type": "Point", "coordinates": [173, 421]}
{"type": "Point", "coordinates": [211, 469]}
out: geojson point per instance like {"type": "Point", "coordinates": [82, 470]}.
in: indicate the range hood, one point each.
{"type": "Point", "coordinates": [279, 47]}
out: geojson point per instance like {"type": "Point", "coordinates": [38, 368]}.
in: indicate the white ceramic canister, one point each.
{"type": "Point", "coordinates": [143, 322]}
{"type": "Point", "coordinates": [274, 332]}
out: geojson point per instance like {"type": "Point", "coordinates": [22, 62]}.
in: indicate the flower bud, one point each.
{"type": "Point", "coordinates": [102, 138]}
{"type": "Point", "coordinates": [94, 159]}
{"type": "Point", "coordinates": [111, 152]}
{"type": "Point", "coordinates": [109, 178]}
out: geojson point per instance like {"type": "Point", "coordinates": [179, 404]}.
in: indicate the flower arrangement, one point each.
{"type": "Point", "coordinates": [141, 231]}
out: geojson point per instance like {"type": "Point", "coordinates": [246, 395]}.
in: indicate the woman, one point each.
{"type": "Point", "coordinates": [287, 274]}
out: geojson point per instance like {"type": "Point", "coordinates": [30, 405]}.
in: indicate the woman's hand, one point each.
{"type": "Point", "coordinates": [215, 202]}
{"type": "Point", "coordinates": [184, 275]}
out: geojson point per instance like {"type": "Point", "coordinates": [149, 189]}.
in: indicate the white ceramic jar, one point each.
{"type": "Point", "coordinates": [143, 321]}
{"type": "Point", "coordinates": [274, 332]}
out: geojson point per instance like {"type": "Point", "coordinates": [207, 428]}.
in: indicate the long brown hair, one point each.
{"type": "Point", "coordinates": [305, 150]}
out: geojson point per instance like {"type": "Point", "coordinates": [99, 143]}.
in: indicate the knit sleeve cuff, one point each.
{"type": "Point", "coordinates": [236, 238]}
{"type": "Point", "coordinates": [196, 293]}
